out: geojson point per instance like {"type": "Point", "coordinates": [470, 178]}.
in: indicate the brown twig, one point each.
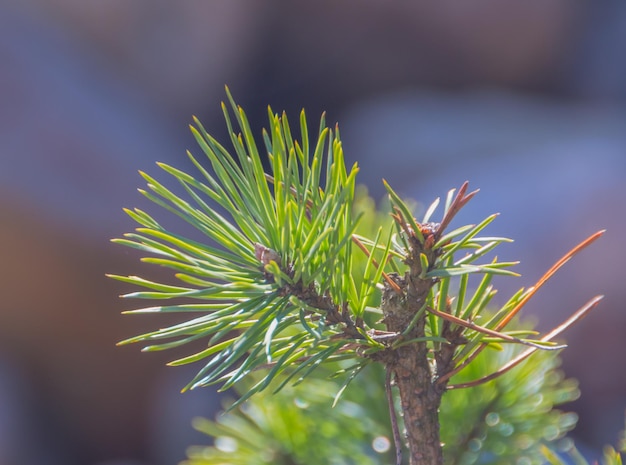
{"type": "Point", "coordinates": [459, 202]}
{"type": "Point", "coordinates": [548, 274]}
{"type": "Point", "coordinates": [398, 218]}
{"type": "Point", "coordinates": [576, 317]}
{"type": "Point", "coordinates": [390, 281]}
{"type": "Point", "coordinates": [532, 291]}
{"type": "Point", "coordinates": [487, 331]}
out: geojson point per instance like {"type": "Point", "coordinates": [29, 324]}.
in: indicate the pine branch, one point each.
{"type": "Point", "coordinates": [292, 276]}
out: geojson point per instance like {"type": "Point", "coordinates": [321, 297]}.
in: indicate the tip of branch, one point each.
{"type": "Point", "coordinates": [576, 317]}
{"type": "Point", "coordinates": [593, 237]}
{"type": "Point", "coordinates": [463, 190]}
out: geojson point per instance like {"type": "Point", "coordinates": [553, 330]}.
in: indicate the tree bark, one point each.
{"type": "Point", "coordinates": [420, 400]}
{"type": "Point", "coordinates": [420, 397]}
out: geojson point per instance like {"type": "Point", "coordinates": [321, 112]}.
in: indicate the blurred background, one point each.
{"type": "Point", "coordinates": [526, 100]}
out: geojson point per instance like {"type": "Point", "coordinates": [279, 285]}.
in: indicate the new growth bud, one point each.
{"type": "Point", "coordinates": [265, 255]}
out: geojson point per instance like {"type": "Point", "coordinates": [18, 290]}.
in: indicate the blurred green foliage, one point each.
{"type": "Point", "coordinates": [505, 421]}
